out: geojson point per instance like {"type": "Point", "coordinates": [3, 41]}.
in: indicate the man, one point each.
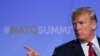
{"type": "Point", "coordinates": [84, 22]}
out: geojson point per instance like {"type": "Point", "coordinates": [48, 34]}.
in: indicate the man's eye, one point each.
{"type": "Point", "coordinates": [81, 23]}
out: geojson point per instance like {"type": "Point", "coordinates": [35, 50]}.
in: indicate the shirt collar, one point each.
{"type": "Point", "coordinates": [94, 41]}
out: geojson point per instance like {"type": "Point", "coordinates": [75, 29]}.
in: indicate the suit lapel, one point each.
{"type": "Point", "coordinates": [78, 49]}
{"type": "Point", "coordinates": [98, 41]}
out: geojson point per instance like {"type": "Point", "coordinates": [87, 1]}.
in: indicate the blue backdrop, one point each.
{"type": "Point", "coordinates": [40, 24]}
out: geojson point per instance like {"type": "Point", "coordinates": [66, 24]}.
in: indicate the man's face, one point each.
{"type": "Point", "coordinates": [84, 27]}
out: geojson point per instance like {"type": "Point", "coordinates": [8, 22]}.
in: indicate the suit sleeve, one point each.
{"type": "Point", "coordinates": [54, 53]}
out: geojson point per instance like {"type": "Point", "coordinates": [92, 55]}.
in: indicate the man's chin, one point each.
{"type": "Point", "coordinates": [81, 39]}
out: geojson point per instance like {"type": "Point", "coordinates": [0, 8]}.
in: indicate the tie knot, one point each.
{"type": "Point", "coordinates": [90, 44]}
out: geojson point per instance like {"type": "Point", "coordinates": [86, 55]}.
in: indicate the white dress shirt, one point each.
{"type": "Point", "coordinates": [85, 47]}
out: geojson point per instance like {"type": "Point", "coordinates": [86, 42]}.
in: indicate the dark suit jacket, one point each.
{"type": "Point", "coordinates": [72, 48]}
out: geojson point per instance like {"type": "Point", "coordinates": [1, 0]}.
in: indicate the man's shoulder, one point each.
{"type": "Point", "coordinates": [68, 45]}
{"type": "Point", "coordinates": [66, 49]}
{"type": "Point", "coordinates": [98, 38]}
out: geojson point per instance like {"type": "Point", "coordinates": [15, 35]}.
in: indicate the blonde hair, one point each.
{"type": "Point", "coordinates": [82, 10]}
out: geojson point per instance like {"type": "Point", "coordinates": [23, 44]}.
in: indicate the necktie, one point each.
{"type": "Point", "coordinates": [91, 51]}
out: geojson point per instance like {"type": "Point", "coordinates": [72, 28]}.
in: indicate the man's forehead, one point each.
{"type": "Point", "coordinates": [82, 17]}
